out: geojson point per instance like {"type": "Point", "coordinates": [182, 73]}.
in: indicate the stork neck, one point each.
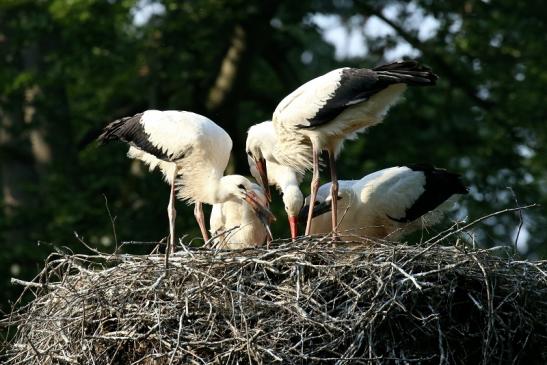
{"type": "Point", "coordinates": [293, 199]}
{"type": "Point", "coordinates": [223, 189]}
{"type": "Point", "coordinates": [221, 193]}
{"type": "Point", "coordinates": [213, 192]}
{"type": "Point", "coordinates": [287, 181]}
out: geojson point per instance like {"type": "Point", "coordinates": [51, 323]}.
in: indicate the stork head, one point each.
{"type": "Point", "coordinates": [321, 205]}
{"type": "Point", "coordinates": [260, 145]}
{"type": "Point", "coordinates": [293, 199]}
{"type": "Point", "coordinates": [261, 141]}
{"type": "Point", "coordinates": [239, 188]}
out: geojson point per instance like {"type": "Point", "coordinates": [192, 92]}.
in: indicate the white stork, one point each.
{"type": "Point", "coordinates": [261, 141]}
{"type": "Point", "coordinates": [234, 225]}
{"type": "Point", "coordinates": [334, 107]}
{"type": "Point", "coordinates": [192, 152]}
{"type": "Point", "coordinates": [388, 202]}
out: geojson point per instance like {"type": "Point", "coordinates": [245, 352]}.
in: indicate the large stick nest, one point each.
{"type": "Point", "coordinates": [296, 302]}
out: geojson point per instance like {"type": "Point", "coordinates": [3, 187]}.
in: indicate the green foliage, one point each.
{"type": "Point", "coordinates": [69, 67]}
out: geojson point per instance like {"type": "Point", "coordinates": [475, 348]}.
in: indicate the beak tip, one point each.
{"type": "Point", "coordinates": [293, 225]}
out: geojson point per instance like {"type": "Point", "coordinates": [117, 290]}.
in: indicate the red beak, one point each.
{"type": "Point", "coordinates": [262, 212]}
{"type": "Point", "coordinates": [293, 224]}
{"type": "Point", "coordinates": [263, 171]}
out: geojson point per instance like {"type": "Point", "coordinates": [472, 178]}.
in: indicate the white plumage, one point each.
{"type": "Point", "coordinates": [388, 203]}
{"type": "Point", "coordinates": [192, 152]}
{"type": "Point", "coordinates": [234, 225]}
{"type": "Point", "coordinates": [261, 141]}
{"type": "Point", "coordinates": [292, 115]}
{"type": "Point", "coordinates": [188, 140]}
{"type": "Point", "coordinates": [329, 109]}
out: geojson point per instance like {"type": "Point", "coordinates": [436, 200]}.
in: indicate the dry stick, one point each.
{"type": "Point", "coordinates": [339, 302]}
{"type": "Point", "coordinates": [534, 265]}
{"type": "Point", "coordinates": [478, 220]}
{"type": "Point", "coordinates": [38, 353]}
{"type": "Point", "coordinates": [490, 308]}
{"type": "Point", "coordinates": [216, 245]}
{"type": "Point", "coordinates": [111, 222]}
{"type": "Point", "coordinates": [521, 220]}
{"type": "Point", "coordinates": [94, 250]}
{"type": "Point", "coordinates": [343, 215]}
{"type": "Point", "coordinates": [29, 283]}
{"type": "Point", "coordinates": [408, 276]}
{"type": "Point", "coordinates": [143, 243]}
{"type": "Point", "coordinates": [442, 356]}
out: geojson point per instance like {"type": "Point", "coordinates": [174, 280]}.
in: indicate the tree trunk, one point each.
{"type": "Point", "coordinates": [18, 175]}
{"type": "Point", "coordinates": [232, 80]}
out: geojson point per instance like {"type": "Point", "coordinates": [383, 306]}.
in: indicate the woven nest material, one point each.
{"type": "Point", "coordinates": [296, 302]}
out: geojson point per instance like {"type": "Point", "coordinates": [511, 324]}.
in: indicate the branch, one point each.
{"type": "Point", "coordinates": [228, 70]}
{"type": "Point", "coordinates": [437, 59]}
{"type": "Point", "coordinates": [463, 228]}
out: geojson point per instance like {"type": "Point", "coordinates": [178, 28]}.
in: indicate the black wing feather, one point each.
{"type": "Point", "coordinates": [440, 185]}
{"type": "Point", "coordinates": [131, 130]}
{"type": "Point", "coordinates": [359, 84]}
{"type": "Point", "coordinates": [356, 85]}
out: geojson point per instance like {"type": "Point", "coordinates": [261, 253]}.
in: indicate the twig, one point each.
{"type": "Point", "coordinates": [112, 223]}
{"type": "Point", "coordinates": [478, 220]}
{"type": "Point", "coordinates": [30, 283]}
{"type": "Point", "coordinates": [407, 275]}
{"type": "Point", "coordinates": [521, 220]}
{"type": "Point", "coordinates": [297, 302]}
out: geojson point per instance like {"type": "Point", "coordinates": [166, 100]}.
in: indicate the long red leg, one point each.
{"type": "Point", "coordinates": [333, 190]}
{"type": "Point", "coordinates": [172, 213]}
{"type": "Point", "coordinates": [314, 188]}
{"type": "Point", "coordinates": [198, 213]}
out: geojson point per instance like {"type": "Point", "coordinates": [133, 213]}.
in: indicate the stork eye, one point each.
{"type": "Point", "coordinates": [241, 186]}
{"type": "Point", "coordinates": [250, 153]}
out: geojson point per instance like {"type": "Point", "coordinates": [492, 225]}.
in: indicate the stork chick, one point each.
{"type": "Point", "coordinates": [388, 203]}
{"type": "Point", "coordinates": [234, 224]}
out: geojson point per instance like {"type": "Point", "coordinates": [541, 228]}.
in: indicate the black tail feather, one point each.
{"type": "Point", "coordinates": [451, 182]}
{"type": "Point", "coordinates": [440, 185]}
{"type": "Point", "coordinates": [115, 130]}
{"type": "Point", "coordinates": [109, 132]}
{"type": "Point", "coordinates": [408, 72]}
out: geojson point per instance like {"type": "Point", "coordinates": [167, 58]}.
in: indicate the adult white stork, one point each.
{"type": "Point", "coordinates": [261, 141]}
{"type": "Point", "coordinates": [334, 107]}
{"type": "Point", "coordinates": [234, 224]}
{"type": "Point", "coordinates": [390, 202]}
{"type": "Point", "coordinates": [192, 152]}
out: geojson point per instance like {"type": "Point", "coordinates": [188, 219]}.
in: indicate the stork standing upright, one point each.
{"type": "Point", "coordinates": [334, 107]}
{"type": "Point", "coordinates": [192, 152]}
{"type": "Point", "coordinates": [260, 144]}
{"type": "Point", "coordinates": [234, 225]}
{"type": "Point", "coordinates": [389, 202]}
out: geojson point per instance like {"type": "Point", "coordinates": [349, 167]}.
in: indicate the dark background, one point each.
{"type": "Point", "coordinates": [67, 68]}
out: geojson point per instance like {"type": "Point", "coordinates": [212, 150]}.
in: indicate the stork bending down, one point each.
{"type": "Point", "coordinates": [389, 202]}
{"type": "Point", "coordinates": [192, 152]}
{"type": "Point", "coordinates": [329, 109]}
{"type": "Point", "coordinates": [261, 141]}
